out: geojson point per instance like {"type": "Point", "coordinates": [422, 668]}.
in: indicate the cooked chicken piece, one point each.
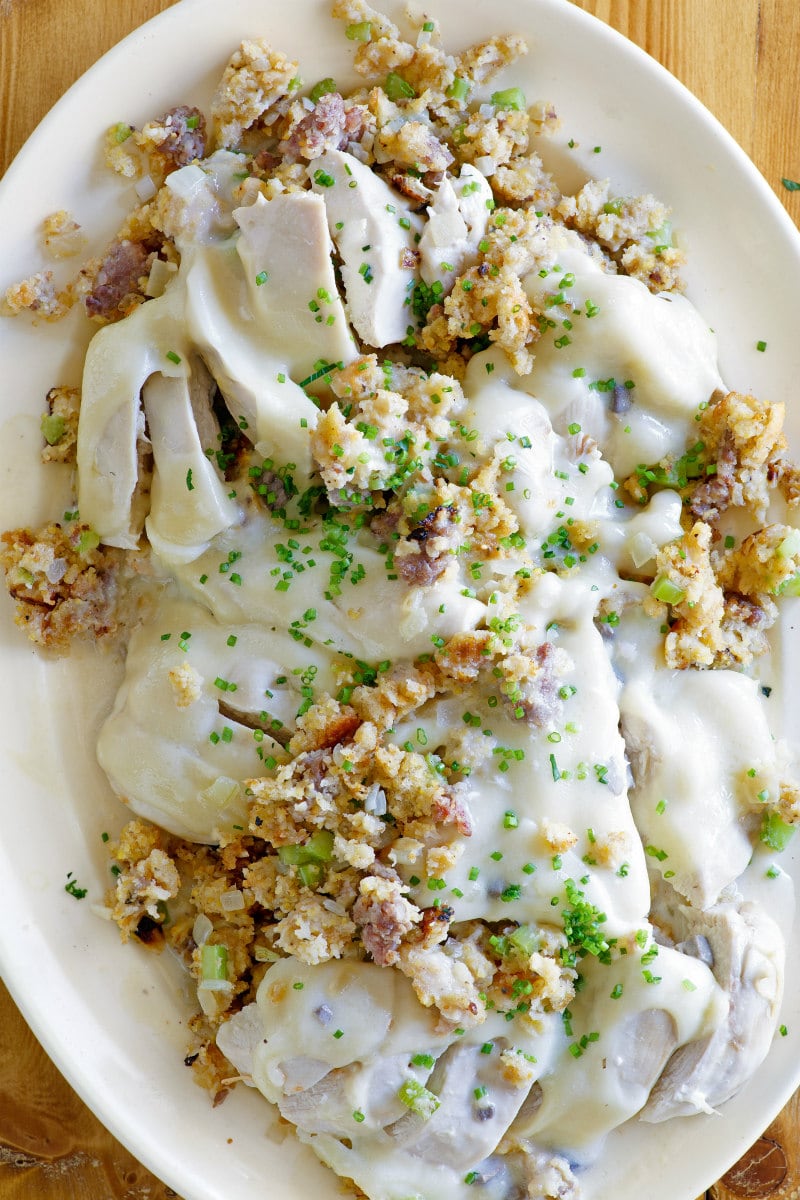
{"type": "Point", "coordinates": [286, 252]}
{"type": "Point", "coordinates": [179, 741]}
{"type": "Point", "coordinates": [747, 957]}
{"type": "Point", "coordinates": [476, 1101]}
{"type": "Point", "coordinates": [457, 221]}
{"type": "Point", "coordinates": [698, 742]}
{"type": "Point", "coordinates": [120, 359]}
{"type": "Point", "coordinates": [623, 1027]}
{"type": "Point", "coordinates": [374, 229]}
{"type": "Point", "coordinates": [189, 502]}
{"type": "Point", "coordinates": [254, 379]}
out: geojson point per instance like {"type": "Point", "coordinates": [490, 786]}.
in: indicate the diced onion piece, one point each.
{"type": "Point", "coordinates": [642, 548]}
{"type": "Point", "coordinates": [264, 954]}
{"type": "Point", "coordinates": [214, 996]}
{"type": "Point", "coordinates": [145, 188]}
{"type": "Point", "coordinates": [665, 590]}
{"type": "Point", "coordinates": [215, 985]}
{"type": "Point", "coordinates": [222, 792]}
{"type": "Point", "coordinates": [56, 570]}
{"type": "Point", "coordinates": [160, 274]}
{"type": "Point", "coordinates": [187, 181]}
{"type": "Point", "coordinates": [486, 164]}
{"type": "Point", "coordinates": [232, 901]}
{"type": "Point", "coordinates": [375, 801]}
{"type": "Point", "coordinates": [202, 929]}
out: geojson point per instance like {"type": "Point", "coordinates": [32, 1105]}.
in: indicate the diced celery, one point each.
{"type": "Point", "coordinates": [790, 586]}
{"type": "Point", "coordinates": [665, 590]}
{"type": "Point", "coordinates": [775, 832]}
{"type": "Point", "coordinates": [322, 89]}
{"type": "Point", "coordinates": [513, 98]}
{"type": "Point", "coordinates": [789, 546]}
{"type": "Point", "coordinates": [311, 874]}
{"type": "Point", "coordinates": [397, 88]}
{"type": "Point", "coordinates": [418, 1098]}
{"type": "Point", "coordinates": [213, 962]}
{"type": "Point", "coordinates": [458, 90]}
{"type": "Point", "coordinates": [663, 235]}
{"type": "Point", "coordinates": [318, 849]}
{"type": "Point", "coordinates": [52, 427]}
{"type": "Point", "coordinates": [359, 31]}
{"type": "Point", "coordinates": [88, 540]}
{"type": "Point", "coordinates": [525, 939]}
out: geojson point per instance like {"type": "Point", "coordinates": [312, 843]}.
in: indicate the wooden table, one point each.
{"type": "Point", "coordinates": [742, 58]}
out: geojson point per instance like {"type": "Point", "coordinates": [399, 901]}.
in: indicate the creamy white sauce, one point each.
{"type": "Point", "coordinates": [242, 586]}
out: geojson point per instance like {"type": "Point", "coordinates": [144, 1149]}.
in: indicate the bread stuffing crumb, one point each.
{"type": "Point", "coordinates": [60, 425]}
{"type": "Point", "coordinates": [65, 585]}
{"type": "Point", "coordinates": [62, 236]}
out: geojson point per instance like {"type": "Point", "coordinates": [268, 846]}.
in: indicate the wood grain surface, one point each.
{"type": "Point", "coordinates": [742, 59]}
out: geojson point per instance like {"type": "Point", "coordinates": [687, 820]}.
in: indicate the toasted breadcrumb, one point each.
{"type": "Point", "coordinates": [211, 1070]}
{"type": "Point", "coordinates": [632, 229]}
{"type": "Point", "coordinates": [695, 638]}
{"type": "Point", "coordinates": [141, 888]}
{"type": "Point", "coordinates": [60, 425]}
{"type": "Point", "coordinates": [611, 850]}
{"type": "Point", "coordinates": [766, 562]}
{"type": "Point", "coordinates": [313, 934]}
{"type": "Point", "coordinates": [37, 295]}
{"type": "Point", "coordinates": [742, 436]}
{"type": "Point", "coordinates": [64, 584]}
{"type": "Point", "coordinates": [788, 806]}
{"type": "Point", "coordinates": [186, 684]}
{"type": "Point", "coordinates": [255, 80]}
{"type": "Point", "coordinates": [62, 236]}
{"type": "Point", "coordinates": [524, 181]}
{"type": "Point", "coordinates": [545, 120]}
{"type": "Point", "coordinates": [444, 982]}
{"type": "Point", "coordinates": [557, 837]}
{"type": "Point", "coordinates": [482, 61]}
{"type": "Point", "coordinates": [412, 145]}
{"type": "Point", "coordinates": [121, 154]}
{"type": "Point", "coordinates": [516, 1069]}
